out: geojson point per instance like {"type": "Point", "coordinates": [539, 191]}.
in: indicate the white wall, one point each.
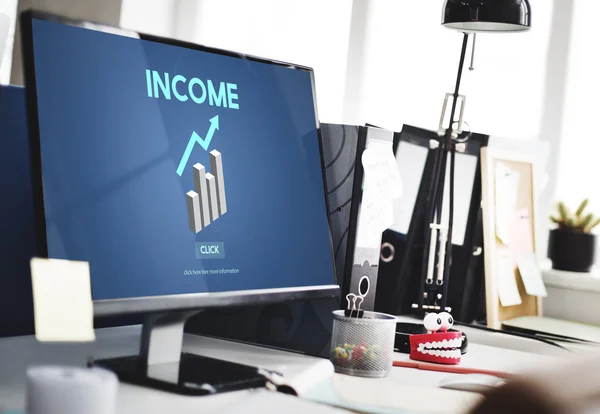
{"type": "Point", "coordinates": [312, 33]}
{"type": "Point", "coordinates": [8, 8]}
{"type": "Point", "coordinates": [154, 17]}
{"type": "Point", "coordinates": [579, 161]}
{"type": "Point", "coordinates": [412, 61]}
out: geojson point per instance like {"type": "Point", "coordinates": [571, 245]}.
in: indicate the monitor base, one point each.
{"type": "Point", "coordinates": [162, 365]}
{"type": "Point", "coordinates": [192, 375]}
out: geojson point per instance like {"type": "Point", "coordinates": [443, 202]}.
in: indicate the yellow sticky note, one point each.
{"type": "Point", "coordinates": [62, 300]}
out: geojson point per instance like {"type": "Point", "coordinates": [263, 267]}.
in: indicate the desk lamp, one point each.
{"type": "Point", "coordinates": [468, 17]}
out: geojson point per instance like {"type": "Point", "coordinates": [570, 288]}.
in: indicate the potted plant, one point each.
{"type": "Point", "coordinates": [572, 246]}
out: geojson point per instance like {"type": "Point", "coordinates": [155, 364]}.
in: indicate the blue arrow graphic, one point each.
{"type": "Point", "coordinates": [195, 138]}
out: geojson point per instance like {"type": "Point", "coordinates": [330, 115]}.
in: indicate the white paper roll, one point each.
{"type": "Point", "coordinates": [71, 390]}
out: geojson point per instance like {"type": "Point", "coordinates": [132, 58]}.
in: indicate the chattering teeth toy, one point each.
{"type": "Point", "coordinates": [438, 345]}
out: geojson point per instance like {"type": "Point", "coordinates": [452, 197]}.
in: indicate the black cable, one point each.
{"type": "Point", "coordinates": [439, 203]}
{"type": "Point", "coordinates": [430, 212]}
{"type": "Point", "coordinates": [438, 221]}
{"type": "Point", "coordinates": [512, 333]}
{"type": "Point", "coordinates": [448, 257]}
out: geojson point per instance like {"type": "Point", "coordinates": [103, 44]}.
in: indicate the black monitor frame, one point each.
{"type": "Point", "coordinates": [182, 302]}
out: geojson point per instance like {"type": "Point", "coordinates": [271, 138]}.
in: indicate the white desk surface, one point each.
{"type": "Point", "coordinates": [18, 353]}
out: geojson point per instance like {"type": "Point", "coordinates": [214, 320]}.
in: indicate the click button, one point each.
{"type": "Point", "coordinates": [208, 250]}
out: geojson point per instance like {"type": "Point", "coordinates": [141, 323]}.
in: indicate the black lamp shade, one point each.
{"type": "Point", "coordinates": [487, 15]}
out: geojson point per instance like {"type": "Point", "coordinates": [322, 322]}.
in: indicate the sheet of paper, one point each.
{"type": "Point", "coordinates": [382, 184]}
{"type": "Point", "coordinates": [521, 233]}
{"type": "Point", "coordinates": [531, 274]}
{"type": "Point", "coordinates": [375, 216]}
{"type": "Point", "coordinates": [464, 177]}
{"type": "Point", "coordinates": [507, 187]}
{"type": "Point", "coordinates": [508, 291]}
{"type": "Point", "coordinates": [381, 171]}
{"type": "Point", "coordinates": [62, 300]}
{"type": "Point", "coordinates": [410, 161]}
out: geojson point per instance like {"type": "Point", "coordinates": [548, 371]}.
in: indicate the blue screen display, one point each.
{"type": "Point", "coordinates": [172, 170]}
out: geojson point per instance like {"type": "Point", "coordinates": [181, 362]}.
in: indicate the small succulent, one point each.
{"type": "Point", "coordinates": [580, 221]}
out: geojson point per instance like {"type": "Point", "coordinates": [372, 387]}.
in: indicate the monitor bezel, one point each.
{"type": "Point", "coordinates": [164, 303]}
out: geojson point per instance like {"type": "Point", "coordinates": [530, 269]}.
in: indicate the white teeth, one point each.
{"type": "Point", "coordinates": [454, 353]}
{"type": "Point", "coordinates": [439, 348]}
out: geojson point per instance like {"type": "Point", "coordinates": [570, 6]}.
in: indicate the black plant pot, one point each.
{"type": "Point", "coordinates": [572, 251]}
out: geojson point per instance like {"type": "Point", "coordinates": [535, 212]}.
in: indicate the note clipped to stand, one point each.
{"type": "Point", "coordinates": [382, 184]}
{"type": "Point", "coordinates": [506, 192]}
{"type": "Point", "coordinates": [522, 248]}
{"type": "Point", "coordinates": [62, 300]}
{"type": "Point", "coordinates": [531, 274]}
{"type": "Point", "coordinates": [508, 290]}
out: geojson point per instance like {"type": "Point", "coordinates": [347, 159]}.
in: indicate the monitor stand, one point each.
{"type": "Point", "coordinates": [161, 364]}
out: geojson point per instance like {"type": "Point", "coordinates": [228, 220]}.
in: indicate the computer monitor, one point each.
{"type": "Point", "coordinates": [188, 177]}
{"type": "Point", "coordinates": [17, 234]}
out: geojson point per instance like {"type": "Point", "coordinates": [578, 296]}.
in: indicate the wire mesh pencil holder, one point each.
{"type": "Point", "coordinates": [363, 346]}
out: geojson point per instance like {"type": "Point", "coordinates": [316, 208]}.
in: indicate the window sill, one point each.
{"type": "Point", "coordinates": [572, 296]}
{"type": "Point", "coordinates": [583, 282]}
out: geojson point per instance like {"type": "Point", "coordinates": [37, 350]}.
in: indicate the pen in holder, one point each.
{"type": "Point", "coordinates": [362, 343]}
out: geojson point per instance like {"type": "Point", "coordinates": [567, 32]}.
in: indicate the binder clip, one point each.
{"type": "Point", "coordinates": [354, 303]}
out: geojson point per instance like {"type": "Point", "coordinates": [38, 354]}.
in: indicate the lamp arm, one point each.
{"type": "Point", "coordinates": [449, 144]}
{"type": "Point", "coordinates": [463, 53]}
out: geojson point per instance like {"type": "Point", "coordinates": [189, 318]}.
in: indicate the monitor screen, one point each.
{"type": "Point", "coordinates": [175, 169]}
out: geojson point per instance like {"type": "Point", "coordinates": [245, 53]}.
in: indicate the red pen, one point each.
{"type": "Point", "coordinates": [454, 369]}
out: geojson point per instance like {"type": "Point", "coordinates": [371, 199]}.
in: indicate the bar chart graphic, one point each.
{"type": "Point", "coordinates": [207, 201]}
